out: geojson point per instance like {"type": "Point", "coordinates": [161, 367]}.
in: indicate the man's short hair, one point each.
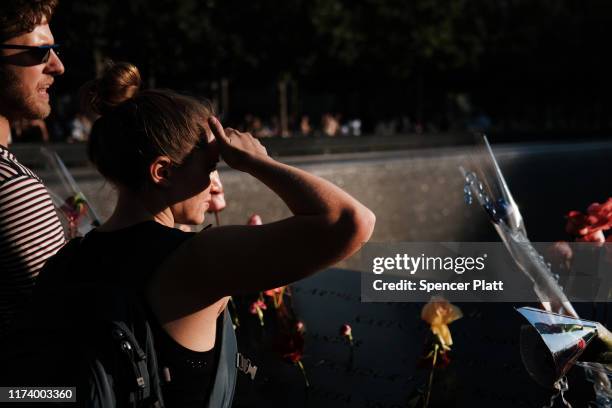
{"type": "Point", "coordinates": [22, 16]}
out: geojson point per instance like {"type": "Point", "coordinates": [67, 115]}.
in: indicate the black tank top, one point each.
{"type": "Point", "coordinates": [130, 256]}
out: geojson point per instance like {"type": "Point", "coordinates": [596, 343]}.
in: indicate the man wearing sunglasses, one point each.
{"type": "Point", "coordinates": [30, 231]}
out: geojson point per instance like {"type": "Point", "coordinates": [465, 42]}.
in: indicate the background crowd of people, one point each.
{"type": "Point", "coordinates": [68, 124]}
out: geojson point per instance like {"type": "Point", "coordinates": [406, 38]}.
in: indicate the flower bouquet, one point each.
{"type": "Point", "coordinates": [75, 211]}
{"type": "Point", "coordinates": [485, 182]}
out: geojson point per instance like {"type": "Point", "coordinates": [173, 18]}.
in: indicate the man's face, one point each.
{"type": "Point", "coordinates": [24, 89]}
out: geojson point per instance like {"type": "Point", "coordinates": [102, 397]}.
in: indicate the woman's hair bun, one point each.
{"type": "Point", "coordinates": [119, 82]}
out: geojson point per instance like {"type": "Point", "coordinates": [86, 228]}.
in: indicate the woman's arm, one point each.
{"type": "Point", "coordinates": [328, 225]}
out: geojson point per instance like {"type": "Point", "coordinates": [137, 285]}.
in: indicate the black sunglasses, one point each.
{"type": "Point", "coordinates": [32, 54]}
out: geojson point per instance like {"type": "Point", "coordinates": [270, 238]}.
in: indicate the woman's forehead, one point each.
{"type": "Point", "coordinates": [212, 151]}
{"type": "Point", "coordinates": [208, 134]}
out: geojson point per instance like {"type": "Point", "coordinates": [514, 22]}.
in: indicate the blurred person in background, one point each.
{"type": "Point", "coordinates": [305, 127]}
{"type": "Point", "coordinates": [330, 125]}
{"type": "Point", "coordinates": [80, 127]}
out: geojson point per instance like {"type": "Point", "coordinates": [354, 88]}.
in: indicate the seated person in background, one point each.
{"type": "Point", "coordinates": [159, 148]}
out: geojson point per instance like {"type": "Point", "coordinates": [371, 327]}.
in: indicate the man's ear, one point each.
{"type": "Point", "coordinates": [161, 171]}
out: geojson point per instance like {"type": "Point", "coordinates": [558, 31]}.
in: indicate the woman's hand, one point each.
{"type": "Point", "coordinates": [238, 149]}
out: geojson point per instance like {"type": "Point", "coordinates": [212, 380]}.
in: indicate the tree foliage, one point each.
{"type": "Point", "coordinates": [517, 48]}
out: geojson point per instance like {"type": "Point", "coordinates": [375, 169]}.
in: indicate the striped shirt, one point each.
{"type": "Point", "coordinates": [30, 233]}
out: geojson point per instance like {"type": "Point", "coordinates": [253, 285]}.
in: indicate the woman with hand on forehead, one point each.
{"type": "Point", "coordinates": [158, 148]}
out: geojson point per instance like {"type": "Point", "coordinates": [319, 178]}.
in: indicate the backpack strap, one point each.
{"type": "Point", "coordinates": [225, 378]}
{"type": "Point", "coordinates": [136, 358]}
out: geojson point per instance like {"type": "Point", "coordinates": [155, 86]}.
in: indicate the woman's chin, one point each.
{"type": "Point", "coordinates": [190, 220]}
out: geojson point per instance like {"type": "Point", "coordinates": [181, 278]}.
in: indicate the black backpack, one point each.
{"type": "Point", "coordinates": [95, 337]}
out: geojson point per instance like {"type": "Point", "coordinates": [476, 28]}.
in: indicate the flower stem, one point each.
{"type": "Point", "coordinates": [299, 364]}
{"type": "Point", "coordinates": [431, 374]}
{"type": "Point", "coordinates": [234, 313]}
{"type": "Point", "coordinates": [260, 315]}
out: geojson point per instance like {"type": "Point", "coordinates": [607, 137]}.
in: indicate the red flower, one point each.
{"type": "Point", "coordinates": [254, 219]}
{"type": "Point", "coordinates": [293, 357]}
{"type": "Point", "coordinates": [562, 249]}
{"type": "Point", "coordinates": [257, 306]}
{"type": "Point", "coordinates": [577, 223]}
{"type": "Point", "coordinates": [275, 291]}
{"type": "Point", "coordinates": [288, 342]}
{"type": "Point", "coordinates": [276, 295]}
{"type": "Point", "coordinates": [291, 345]}
{"type": "Point", "coordinates": [596, 236]}
{"type": "Point", "coordinates": [74, 207]}
{"type": "Point", "coordinates": [346, 331]}
{"type": "Point", "coordinates": [601, 210]}
{"type": "Point", "coordinates": [560, 253]}
{"type": "Point", "coordinates": [588, 227]}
